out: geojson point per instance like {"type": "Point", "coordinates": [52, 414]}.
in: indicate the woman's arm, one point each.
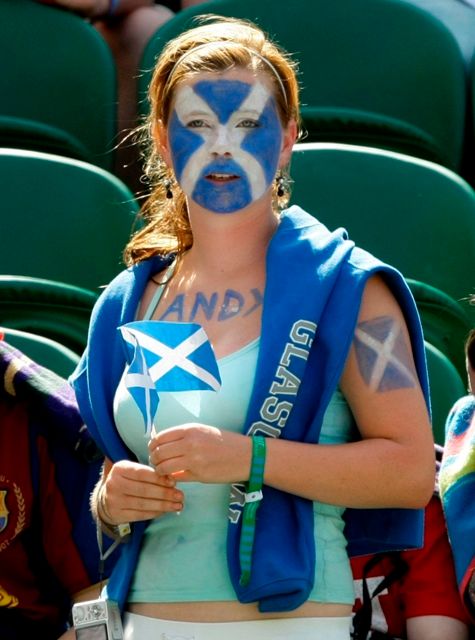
{"type": "Point", "coordinates": [392, 466]}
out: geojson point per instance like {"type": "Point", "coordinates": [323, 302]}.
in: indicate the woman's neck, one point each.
{"type": "Point", "coordinates": [224, 244]}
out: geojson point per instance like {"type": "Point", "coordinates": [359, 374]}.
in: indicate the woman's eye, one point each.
{"type": "Point", "coordinates": [248, 124]}
{"type": "Point", "coordinates": [197, 124]}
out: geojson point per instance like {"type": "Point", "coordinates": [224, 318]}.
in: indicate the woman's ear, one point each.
{"type": "Point", "coordinates": [161, 141]}
{"type": "Point", "coordinates": [288, 141]}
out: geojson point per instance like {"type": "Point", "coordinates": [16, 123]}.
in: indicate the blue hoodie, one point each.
{"type": "Point", "coordinates": [314, 283]}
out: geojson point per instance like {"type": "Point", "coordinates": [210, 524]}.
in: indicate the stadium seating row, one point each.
{"type": "Point", "coordinates": [57, 83]}
{"type": "Point", "coordinates": [356, 60]}
{"type": "Point", "coordinates": [73, 221]}
{"type": "Point", "coordinates": [398, 205]}
{"type": "Point", "coordinates": [360, 84]}
{"type": "Point", "coordinates": [384, 146]}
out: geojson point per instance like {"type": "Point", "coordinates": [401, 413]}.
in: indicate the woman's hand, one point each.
{"type": "Point", "coordinates": [133, 491]}
{"type": "Point", "coordinates": [200, 453]}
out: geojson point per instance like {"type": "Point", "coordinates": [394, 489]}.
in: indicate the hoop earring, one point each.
{"type": "Point", "coordinates": [168, 189]}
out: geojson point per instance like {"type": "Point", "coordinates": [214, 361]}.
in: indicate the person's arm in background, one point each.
{"type": "Point", "coordinates": [432, 603]}
{"type": "Point", "coordinates": [95, 8]}
{"type": "Point", "coordinates": [126, 26]}
{"type": "Point", "coordinates": [86, 8]}
{"type": "Point", "coordinates": [190, 3]}
{"type": "Point", "coordinates": [100, 8]}
{"type": "Point", "coordinates": [436, 628]}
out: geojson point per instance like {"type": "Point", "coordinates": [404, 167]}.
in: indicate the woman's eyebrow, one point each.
{"type": "Point", "coordinates": [247, 111]}
{"type": "Point", "coordinates": [197, 112]}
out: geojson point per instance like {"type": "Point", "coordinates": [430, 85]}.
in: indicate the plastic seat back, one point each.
{"type": "Point", "coordinates": [446, 387]}
{"type": "Point", "coordinates": [46, 352]}
{"type": "Point", "coordinates": [458, 17]}
{"type": "Point", "coordinates": [376, 72]}
{"type": "Point", "coordinates": [445, 322]}
{"type": "Point", "coordinates": [56, 310]}
{"type": "Point", "coordinates": [469, 168]}
{"type": "Point", "coordinates": [413, 214]}
{"type": "Point", "coordinates": [57, 74]}
{"type": "Point", "coordinates": [62, 219]}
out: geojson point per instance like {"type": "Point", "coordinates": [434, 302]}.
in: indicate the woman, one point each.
{"type": "Point", "coordinates": [305, 329]}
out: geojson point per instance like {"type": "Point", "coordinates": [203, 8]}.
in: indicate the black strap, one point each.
{"type": "Point", "coordinates": [362, 618]}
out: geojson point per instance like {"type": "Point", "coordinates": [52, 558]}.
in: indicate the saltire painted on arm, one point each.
{"type": "Point", "coordinates": [382, 354]}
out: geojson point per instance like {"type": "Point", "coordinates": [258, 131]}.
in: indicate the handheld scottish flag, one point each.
{"type": "Point", "coordinates": [166, 356]}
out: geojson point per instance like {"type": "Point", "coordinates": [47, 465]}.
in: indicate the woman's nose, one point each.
{"type": "Point", "coordinates": [222, 142]}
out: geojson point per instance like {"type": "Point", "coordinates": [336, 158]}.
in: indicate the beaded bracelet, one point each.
{"type": "Point", "coordinates": [120, 531]}
{"type": "Point", "coordinates": [252, 500]}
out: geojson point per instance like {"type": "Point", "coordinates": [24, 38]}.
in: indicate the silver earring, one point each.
{"type": "Point", "coordinates": [281, 185]}
{"type": "Point", "coordinates": [168, 189]}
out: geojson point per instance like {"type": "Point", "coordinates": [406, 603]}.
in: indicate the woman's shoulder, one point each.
{"type": "Point", "coordinates": [133, 277]}
{"type": "Point", "coordinates": [125, 290]}
{"type": "Point", "coordinates": [357, 258]}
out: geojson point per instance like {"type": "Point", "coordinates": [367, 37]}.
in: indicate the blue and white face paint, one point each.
{"type": "Point", "coordinates": [225, 140]}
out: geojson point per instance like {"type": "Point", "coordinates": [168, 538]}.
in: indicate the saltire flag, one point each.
{"type": "Point", "coordinates": [166, 356]}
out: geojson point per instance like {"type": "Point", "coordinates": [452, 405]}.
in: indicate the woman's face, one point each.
{"type": "Point", "coordinates": [225, 139]}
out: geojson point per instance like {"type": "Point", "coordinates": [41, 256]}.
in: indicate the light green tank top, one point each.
{"type": "Point", "coordinates": [183, 557]}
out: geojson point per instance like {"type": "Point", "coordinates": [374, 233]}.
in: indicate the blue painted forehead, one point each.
{"type": "Point", "coordinates": [223, 96]}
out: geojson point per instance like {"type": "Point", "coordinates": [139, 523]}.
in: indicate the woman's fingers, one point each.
{"type": "Point", "coordinates": [137, 492]}
{"type": "Point", "coordinates": [197, 452]}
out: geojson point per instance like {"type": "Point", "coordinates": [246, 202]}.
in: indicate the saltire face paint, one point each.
{"type": "Point", "coordinates": [225, 139]}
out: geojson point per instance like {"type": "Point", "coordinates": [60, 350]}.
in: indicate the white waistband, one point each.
{"type": "Point", "coordinates": [138, 627]}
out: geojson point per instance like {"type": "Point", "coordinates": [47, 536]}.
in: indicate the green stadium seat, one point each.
{"type": "Point", "coordinates": [445, 322]}
{"type": "Point", "coordinates": [48, 353]}
{"type": "Point", "coordinates": [413, 214]}
{"type": "Point", "coordinates": [58, 77]}
{"type": "Point", "coordinates": [470, 133]}
{"type": "Point", "coordinates": [37, 136]}
{"type": "Point", "coordinates": [377, 72]}
{"type": "Point", "coordinates": [458, 16]}
{"type": "Point", "coordinates": [62, 219]}
{"type": "Point", "coordinates": [446, 387]}
{"type": "Point", "coordinates": [56, 310]}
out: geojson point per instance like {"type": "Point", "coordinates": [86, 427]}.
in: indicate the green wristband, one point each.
{"type": "Point", "coordinates": [252, 500]}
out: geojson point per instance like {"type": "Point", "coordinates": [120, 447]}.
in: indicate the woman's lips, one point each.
{"type": "Point", "coordinates": [222, 177]}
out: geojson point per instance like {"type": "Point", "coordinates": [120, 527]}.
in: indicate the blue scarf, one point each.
{"type": "Point", "coordinates": [314, 283]}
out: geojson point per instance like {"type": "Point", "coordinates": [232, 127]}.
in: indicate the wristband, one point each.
{"type": "Point", "coordinates": [252, 500]}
